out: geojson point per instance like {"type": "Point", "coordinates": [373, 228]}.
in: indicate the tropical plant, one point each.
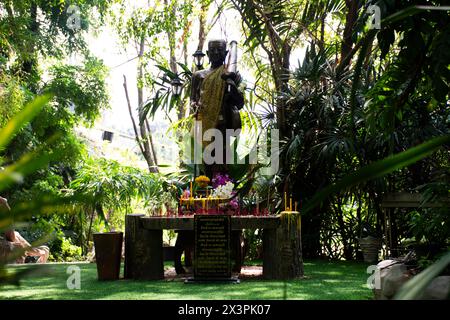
{"type": "Point", "coordinates": [15, 172]}
{"type": "Point", "coordinates": [38, 41]}
{"type": "Point", "coordinates": [112, 187]}
{"type": "Point", "coordinates": [276, 27]}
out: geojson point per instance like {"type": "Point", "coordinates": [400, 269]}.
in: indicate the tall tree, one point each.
{"type": "Point", "coordinates": [275, 27]}
{"type": "Point", "coordinates": [37, 32]}
{"type": "Point", "coordinates": [152, 30]}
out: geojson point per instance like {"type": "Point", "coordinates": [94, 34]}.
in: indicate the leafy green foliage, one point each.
{"type": "Point", "coordinates": [111, 190]}
{"type": "Point", "coordinates": [59, 242]}
{"type": "Point", "coordinates": [388, 99]}
{"type": "Point", "coordinates": [418, 74]}
{"type": "Point", "coordinates": [26, 165]}
{"type": "Point", "coordinates": [430, 225]}
{"type": "Point", "coordinates": [68, 251]}
{"type": "Point", "coordinates": [151, 21]}
{"type": "Point", "coordinates": [78, 87]}
{"type": "Point", "coordinates": [341, 118]}
{"type": "Point", "coordinates": [164, 100]}
{"type": "Point", "coordinates": [114, 186]}
{"type": "Point", "coordinates": [25, 35]}
{"type": "Point", "coordinates": [12, 99]}
{"type": "Point", "coordinates": [14, 125]}
{"type": "Point", "coordinates": [36, 34]}
{"type": "Point", "coordinates": [379, 168]}
{"type": "Point", "coordinates": [43, 153]}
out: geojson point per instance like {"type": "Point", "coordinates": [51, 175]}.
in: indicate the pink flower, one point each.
{"type": "Point", "coordinates": [234, 203]}
{"type": "Point", "coordinates": [186, 194]}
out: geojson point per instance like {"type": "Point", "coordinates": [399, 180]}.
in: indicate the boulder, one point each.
{"type": "Point", "coordinates": [392, 278]}
{"type": "Point", "coordinates": [438, 289]}
{"type": "Point", "coordinates": [393, 275]}
{"type": "Point", "coordinates": [386, 263]}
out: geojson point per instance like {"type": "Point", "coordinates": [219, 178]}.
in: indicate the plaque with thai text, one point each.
{"type": "Point", "coordinates": [212, 246]}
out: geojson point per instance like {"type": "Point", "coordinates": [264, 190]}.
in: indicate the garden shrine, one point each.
{"type": "Point", "coordinates": [312, 143]}
{"type": "Point", "coordinates": [281, 238]}
{"type": "Point", "coordinates": [209, 217]}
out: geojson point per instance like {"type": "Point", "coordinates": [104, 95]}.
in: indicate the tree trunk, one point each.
{"type": "Point", "coordinates": [347, 41]}
{"type": "Point", "coordinates": [171, 40]}
{"type": "Point", "coordinates": [283, 258]}
{"type": "Point", "coordinates": [348, 255]}
{"type": "Point", "coordinates": [202, 24]}
{"type": "Point", "coordinates": [144, 133]}
{"type": "Point", "coordinates": [85, 248]}
{"type": "Point", "coordinates": [28, 66]}
{"type": "Point", "coordinates": [152, 145]}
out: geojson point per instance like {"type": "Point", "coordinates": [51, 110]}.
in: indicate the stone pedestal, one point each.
{"type": "Point", "coordinates": [144, 257]}
{"type": "Point", "coordinates": [282, 248]}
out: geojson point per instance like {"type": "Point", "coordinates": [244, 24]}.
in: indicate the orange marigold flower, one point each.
{"type": "Point", "coordinates": [202, 179]}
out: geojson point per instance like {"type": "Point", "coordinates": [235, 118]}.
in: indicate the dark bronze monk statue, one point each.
{"type": "Point", "coordinates": [216, 98]}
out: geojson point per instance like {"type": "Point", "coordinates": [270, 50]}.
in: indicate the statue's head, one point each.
{"type": "Point", "coordinates": [217, 52]}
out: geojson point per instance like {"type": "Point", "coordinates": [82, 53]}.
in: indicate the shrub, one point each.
{"type": "Point", "coordinates": [69, 252]}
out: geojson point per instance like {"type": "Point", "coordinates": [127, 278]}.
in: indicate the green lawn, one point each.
{"type": "Point", "coordinates": [339, 280]}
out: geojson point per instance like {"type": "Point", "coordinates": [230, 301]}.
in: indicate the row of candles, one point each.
{"type": "Point", "coordinates": [286, 207]}
{"type": "Point", "coordinates": [189, 200]}
{"type": "Point", "coordinates": [206, 202]}
{"type": "Point", "coordinates": [212, 211]}
{"type": "Point", "coordinates": [216, 210]}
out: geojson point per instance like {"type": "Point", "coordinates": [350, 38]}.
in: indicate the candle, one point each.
{"type": "Point", "coordinates": [257, 205]}
{"type": "Point", "coordinates": [285, 202]}
{"type": "Point", "coordinates": [190, 189]}
{"type": "Point", "coordinates": [295, 205]}
{"type": "Point", "coordinates": [290, 204]}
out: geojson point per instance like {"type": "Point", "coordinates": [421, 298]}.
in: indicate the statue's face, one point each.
{"type": "Point", "coordinates": [217, 52]}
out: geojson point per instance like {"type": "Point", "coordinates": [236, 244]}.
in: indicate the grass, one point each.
{"type": "Point", "coordinates": [337, 280]}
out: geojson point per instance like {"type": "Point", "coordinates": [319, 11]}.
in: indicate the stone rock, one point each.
{"type": "Point", "coordinates": [392, 276]}
{"type": "Point", "coordinates": [438, 289]}
{"type": "Point", "coordinates": [386, 263]}
{"type": "Point", "coordinates": [392, 279]}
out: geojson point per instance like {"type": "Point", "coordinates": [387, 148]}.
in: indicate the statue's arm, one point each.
{"type": "Point", "coordinates": [195, 92]}
{"type": "Point", "coordinates": [236, 95]}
